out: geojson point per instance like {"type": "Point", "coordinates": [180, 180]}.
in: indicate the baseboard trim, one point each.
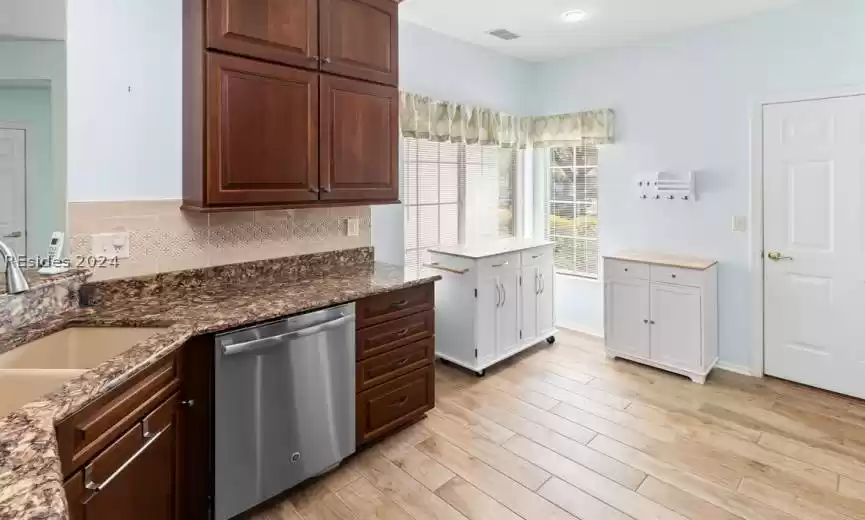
{"type": "Point", "coordinates": [579, 330]}
{"type": "Point", "coordinates": [732, 367]}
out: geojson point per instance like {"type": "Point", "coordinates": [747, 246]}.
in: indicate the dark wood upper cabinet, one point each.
{"type": "Point", "coordinates": [359, 39]}
{"type": "Point", "coordinates": [283, 31]}
{"type": "Point", "coordinates": [358, 140]}
{"type": "Point", "coordinates": [262, 127]}
{"type": "Point", "coordinates": [289, 103]}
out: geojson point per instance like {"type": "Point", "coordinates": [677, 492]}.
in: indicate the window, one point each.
{"type": "Point", "coordinates": [572, 217]}
{"type": "Point", "coordinates": [455, 193]}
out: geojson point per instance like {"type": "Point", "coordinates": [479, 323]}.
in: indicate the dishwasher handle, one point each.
{"type": "Point", "coordinates": [248, 347]}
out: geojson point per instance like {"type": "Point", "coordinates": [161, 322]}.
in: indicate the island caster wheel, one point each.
{"type": "Point", "coordinates": [551, 340]}
{"type": "Point", "coordinates": [480, 373]}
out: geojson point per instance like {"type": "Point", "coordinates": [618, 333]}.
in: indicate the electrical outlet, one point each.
{"type": "Point", "coordinates": [110, 244]}
{"type": "Point", "coordinates": [740, 223]}
{"type": "Point", "coordinates": [352, 227]}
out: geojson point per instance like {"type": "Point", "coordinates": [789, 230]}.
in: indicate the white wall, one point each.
{"type": "Point", "coordinates": [684, 103]}
{"type": "Point", "coordinates": [125, 86]}
{"type": "Point", "coordinates": [436, 65]}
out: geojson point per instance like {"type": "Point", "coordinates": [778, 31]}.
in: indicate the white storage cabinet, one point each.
{"type": "Point", "coordinates": [493, 302]}
{"type": "Point", "coordinates": [662, 310]}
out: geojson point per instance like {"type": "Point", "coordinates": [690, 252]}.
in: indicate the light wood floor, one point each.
{"type": "Point", "coordinates": [561, 433]}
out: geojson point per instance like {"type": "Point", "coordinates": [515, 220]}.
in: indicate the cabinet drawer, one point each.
{"type": "Point", "coordinates": [390, 405]}
{"type": "Point", "coordinates": [399, 361]}
{"type": "Point", "coordinates": [624, 269]}
{"type": "Point", "coordinates": [379, 339]}
{"type": "Point", "coordinates": [677, 275]}
{"type": "Point", "coordinates": [87, 432]}
{"type": "Point", "coordinates": [537, 256]}
{"type": "Point", "coordinates": [393, 305]}
{"type": "Point", "coordinates": [491, 264]}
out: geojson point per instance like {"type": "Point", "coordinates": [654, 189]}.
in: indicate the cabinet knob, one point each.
{"type": "Point", "coordinates": [646, 322]}
{"type": "Point", "coordinates": [326, 60]}
{"type": "Point", "coordinates": [314, 190]}
{"type": "Point", "coordinates": [189, 403]}
{"type": "Point", "coordinates": [315, 58]}
{"type": "Point", "coordinates": [651, 322]}
{"type": "Point", "coordinates": [674, 276]}
{"type": "Point", "coordinates": [626, 269]}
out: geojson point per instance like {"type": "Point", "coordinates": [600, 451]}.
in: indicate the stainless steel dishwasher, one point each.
{"type": "Point", "coordinates": [284, 405]}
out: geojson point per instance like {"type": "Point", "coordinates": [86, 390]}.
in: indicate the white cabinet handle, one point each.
{"type": "Point", "coordinates": [505, 297]}
{"type": "Point", "coordinates": [501, 264]}
{"type": "Point", "coordinates": [498, 296]}
{"type": "Point", "coordinates": [537, 283]}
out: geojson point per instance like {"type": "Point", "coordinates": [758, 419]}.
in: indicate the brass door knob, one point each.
{"type": "Point", "coordinates": [777, 256]}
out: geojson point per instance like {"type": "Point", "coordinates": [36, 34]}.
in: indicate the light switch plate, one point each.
{"type": "Point", "coordinates": [110, 244]}
{"type": "Point", "coordinates": [352, 227]}
{"type": "Point", "coordinates": [740, 223]}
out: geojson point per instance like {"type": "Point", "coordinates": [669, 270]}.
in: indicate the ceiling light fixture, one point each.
{"type": "Point", "coordinates": [574, 15]}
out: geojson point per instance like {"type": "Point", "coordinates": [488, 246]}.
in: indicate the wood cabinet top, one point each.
{"type": "Point", "coordinates": [652, 257]}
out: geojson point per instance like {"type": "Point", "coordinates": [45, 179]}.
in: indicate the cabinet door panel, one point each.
{"type": "Point", "coordinates": [627, 307]}
{"type": "Point", "coordinates": [137, 484]}
{"type": "Point", "coordinates": [359, 39]}
{"type": "Point", "coordinates": [529, 301]}
{"type": "Point", "coordinates": [262, 132]}
{"type": "Point", "coordinates": [546, 298]}
{"type": "Point", "coordinates": [359, 124]}
{"type": "Point", "coordinates": [488, 300]}
{"type": "Point", "coordinates": [508, 319]}
{"type": "Point", "coordinates": [676, 327]}
{"type": "Point", "coordinates": [284, 31]}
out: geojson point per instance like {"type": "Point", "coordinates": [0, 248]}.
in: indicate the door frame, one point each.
{"type": "Point", "coordinates": [29, 172]}
{"type": "Point", "coordinates": [756, 244]}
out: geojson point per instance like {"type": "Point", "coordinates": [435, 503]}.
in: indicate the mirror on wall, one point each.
{"type": "Point", "coordinates": [32, 124]}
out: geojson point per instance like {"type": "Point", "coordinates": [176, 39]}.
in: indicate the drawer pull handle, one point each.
{"type": "Point", "coordinates": [402, 361]}
{"type": "Point", "coordinates": [501, 264]}
{"type": "Point", "coordinates": [401, 402]}
{"type": "Point", "coordinates": [536, 256]}
{"type": "Point", "coordinates": [93, 486]}
{"type": "Point", "coordinates": [402, 332]}
{"type": "Point", "coordinates": [401, 303]}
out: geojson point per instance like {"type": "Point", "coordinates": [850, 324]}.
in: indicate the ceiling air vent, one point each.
{"type": "Point", "coordinates": [503, 34]}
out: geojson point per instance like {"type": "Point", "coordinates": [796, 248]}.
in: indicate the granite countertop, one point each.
{"type": "Point", "coordinates": [31, 481]}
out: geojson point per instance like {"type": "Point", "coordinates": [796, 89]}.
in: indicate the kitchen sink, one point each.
{"type": "Point", "coordinates": [19, 387]}
{"type": "Point", "coordinates": [75, 348]}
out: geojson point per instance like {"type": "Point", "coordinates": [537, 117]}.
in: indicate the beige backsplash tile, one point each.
{"type": "Point", "coordinates": [163, 238]}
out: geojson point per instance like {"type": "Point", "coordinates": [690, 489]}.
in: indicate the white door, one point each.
{"type": "Point", "coordinates": [676, 317]}
{"type": "Point", "coordinates": [530, 288]}
{"type": "Point", "coordinates": [489, 297]}
{"type": "Point", "coordinates": [626, 316]}
{"type": "Point", "coordinates": [814, 184]}
{"type": "Point", "coordinates": [508, 319]}
{"type": "Point", "coordinates": [546, 310]}
{"type": "Point", "coordinates": [13, 173]}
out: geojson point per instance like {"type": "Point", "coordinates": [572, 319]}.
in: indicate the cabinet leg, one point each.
{"type": "Point", "coordinates": [480, 373]}
{"type": "Point", "coordinates": [551, 340]}
{"type": "Point", "coordinates": [700, 380]}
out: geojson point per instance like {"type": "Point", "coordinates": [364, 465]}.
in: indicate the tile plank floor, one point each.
{"type": "Point", "coordinates": [560, 433]}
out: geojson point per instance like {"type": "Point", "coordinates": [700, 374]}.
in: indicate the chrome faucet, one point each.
{"type": "Point", "coordinates": [15, 281]}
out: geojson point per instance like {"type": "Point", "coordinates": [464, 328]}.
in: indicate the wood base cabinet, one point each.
{"type": "Point", "coordinates": [491, 308]}
{"type": "Point", "coordinates": [289, 103]}
{"type": "Point", "coordinates": [395, 374]}
{"type": "Point", "coordinates": [662, 315]}
{"type": "Point", "coordinates": [141, 452]}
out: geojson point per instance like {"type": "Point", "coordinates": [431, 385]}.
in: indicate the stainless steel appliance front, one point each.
{"type": "Point", "coordinates": [284, 405]}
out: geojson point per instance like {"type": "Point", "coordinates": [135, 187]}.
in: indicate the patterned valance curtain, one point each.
{"type": "Point", "coordinates": [422, 117]}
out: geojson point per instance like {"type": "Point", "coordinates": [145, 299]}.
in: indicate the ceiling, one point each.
{"type": "Point", "coordinates": [32, 19]}
{"type": "Point", "coordinates": [545, 37]}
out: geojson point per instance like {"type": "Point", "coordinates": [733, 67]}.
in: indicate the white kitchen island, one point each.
{"type": "Point", "coordinates": [494, 301]}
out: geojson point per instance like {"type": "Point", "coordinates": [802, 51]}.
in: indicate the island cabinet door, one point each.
{"type": "Point", "coordinates": [134, 478]}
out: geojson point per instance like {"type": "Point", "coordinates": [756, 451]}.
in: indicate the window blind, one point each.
{"type": "Point", "coordinates": [572, 221]}
{"type": "Point", "coordinates": [455, 193]}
